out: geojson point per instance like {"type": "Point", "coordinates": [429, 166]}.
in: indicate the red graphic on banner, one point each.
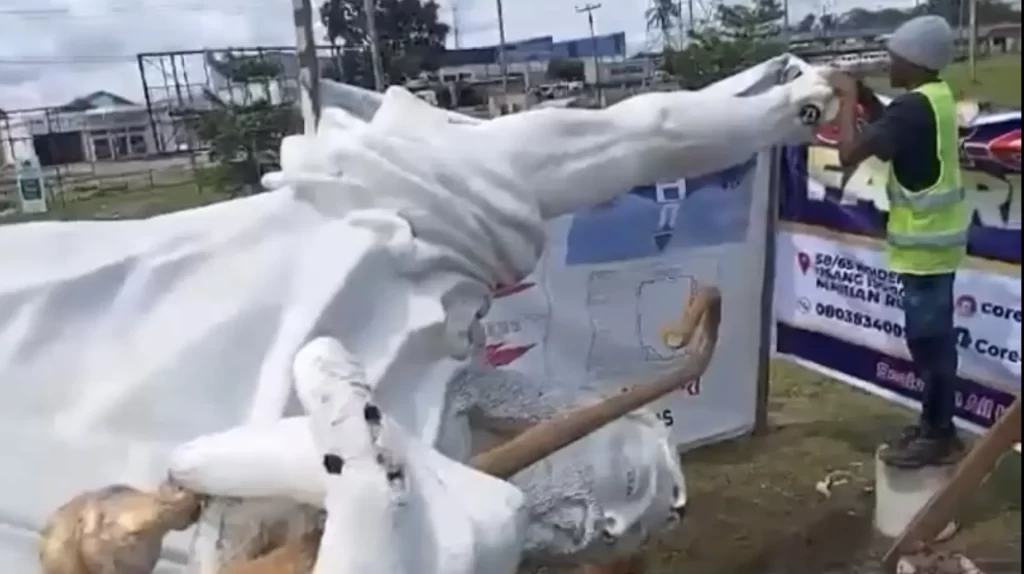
{"type": "Point", "coordinates": [500, 291]}
{"type": "Point", "coordinates": [1006, 149]}
{"type": "Point", "coordinates": [498, 355]}
{"type": "Point", "coordinates": [828, 133]}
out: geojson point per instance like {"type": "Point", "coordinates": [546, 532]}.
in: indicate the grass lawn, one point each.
{"type": "Point", "coordinates": [755, 509]}
{"type": "Point", "coordinates": [998, 80]}
{"type": "Point", "coordinates": [125, 204]}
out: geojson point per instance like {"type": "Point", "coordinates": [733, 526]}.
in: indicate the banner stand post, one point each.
{"type": "Point", "coordinates": [309, 67]}
{"type": "Point", "coordinates": [767, 316]}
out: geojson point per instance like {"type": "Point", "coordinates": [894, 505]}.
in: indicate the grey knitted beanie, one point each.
{"type": "Point", "coordinates": [926, 41]}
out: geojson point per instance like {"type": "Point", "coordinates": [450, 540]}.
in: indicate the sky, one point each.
{"type": "Point", "coordinates": [52, 51]}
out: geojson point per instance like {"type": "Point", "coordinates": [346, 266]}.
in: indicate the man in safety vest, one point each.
{"type": "Point", "coordinates": [926, 237]}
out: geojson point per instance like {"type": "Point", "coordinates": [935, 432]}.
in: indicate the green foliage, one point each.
{"type": "Point", "coordinates": [245, 69]}
{"type": "Point", "coordinates": [954, 11]}
{"type": "Point", "coordinates": [806, 24]}
{"type": "Point", "coordinates": [244, 140]}
{"type": "Point", "coordinates": [410, 33]}
{"type": "Point", "coordinates": [761, 20]}
{"type": "Point", "coordinates": [244, 136]}
{"type": "Point", "coordinates": [739, 36]}
{"type": "Point", "coordinates": [742, 35]}
{"type": "Point", "coordinates": [664, 15]}
{"type": "Point", "coordinates": [827, 22]}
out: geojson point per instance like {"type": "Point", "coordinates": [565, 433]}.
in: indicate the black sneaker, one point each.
{"type": "Point", "coordinates": [907, 435]}
{"type": "Point", "coordinates": [922, 451]}
{"type": "Point", "coordinates": [910, 433]}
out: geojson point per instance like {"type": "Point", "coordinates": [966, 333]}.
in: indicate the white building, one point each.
{"type": "Point", "coordinates": [632, 71]}
{"type": "Point", "coordinates": [529, 58]}
{"type": "Point", "coordinates": [98, 127]}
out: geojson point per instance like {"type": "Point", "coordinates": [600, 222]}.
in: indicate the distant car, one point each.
{"type": "Point", "coordinates": [428, 96]}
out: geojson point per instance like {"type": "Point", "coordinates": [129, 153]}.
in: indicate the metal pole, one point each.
{"type": "Point", "coordinates": [370, 7]}
{"type": "Point", "coordinates": [682, 25]}
{"type": "Point", "coordinates": [589, 9]}
{"type": "Point", "coordinates": [502, 54]}
{"type": "Point", "coordinates": [157, 140]}
{"type": "Point", "coordinates": [767, 298]}
{"type": "Point", "coordinates": [455, 25]}
{"type": "Point", "coordinates": [972, 40]}
{"type": "Point", "coordinates": [785, 22]}
{"type": "Point", "coordinates": [309, 68]}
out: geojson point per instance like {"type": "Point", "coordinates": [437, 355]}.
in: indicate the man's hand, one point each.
{"type": "Point", "coordinates": [844, 84]}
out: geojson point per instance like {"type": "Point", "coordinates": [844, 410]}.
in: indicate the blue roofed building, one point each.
{"type": "Point", "coordinates": [528, 59]}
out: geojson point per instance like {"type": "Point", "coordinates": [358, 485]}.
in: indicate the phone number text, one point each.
{"type": "Point", "coordinates": [858, 319]}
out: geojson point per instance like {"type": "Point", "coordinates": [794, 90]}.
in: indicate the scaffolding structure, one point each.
{"type": "Point", "coordinates": [82, 152]}
{"type": "Point", "coordinates": [180, 86]}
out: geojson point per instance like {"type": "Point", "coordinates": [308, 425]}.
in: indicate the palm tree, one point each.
{"type": "Point", "coordinates": [663, 15]}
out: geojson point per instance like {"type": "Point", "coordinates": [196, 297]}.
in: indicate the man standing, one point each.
{"type": "Point", "coordinates": [926, 237]}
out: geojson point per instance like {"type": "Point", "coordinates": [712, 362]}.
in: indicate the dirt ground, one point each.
{"type": "Point", "coordinates": [754, 508]}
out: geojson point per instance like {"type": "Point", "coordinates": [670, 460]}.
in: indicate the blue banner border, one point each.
{"type": "Point", "coordinates": [861, 362]}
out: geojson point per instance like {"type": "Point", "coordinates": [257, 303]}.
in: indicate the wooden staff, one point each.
{"type": "Point", "coordinates": [968, 476]}
{"type": "Point", "coordinates": [79, 539]}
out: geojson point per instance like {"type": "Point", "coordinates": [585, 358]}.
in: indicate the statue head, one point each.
{"type": "Point", "coordinates": [176, 508]}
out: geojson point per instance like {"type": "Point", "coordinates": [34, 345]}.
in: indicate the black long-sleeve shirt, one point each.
{"type": "Point", "coordinates": [903, 133]}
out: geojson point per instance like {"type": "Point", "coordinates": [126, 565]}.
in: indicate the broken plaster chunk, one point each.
{"type": "Point", "coordinates": [929, 562]}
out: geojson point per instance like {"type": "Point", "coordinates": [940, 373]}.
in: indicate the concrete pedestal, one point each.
{"type": "Point", "coordinates": [901, 493]}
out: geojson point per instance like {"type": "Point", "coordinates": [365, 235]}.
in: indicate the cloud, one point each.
{"type": "Point", "coordinates": [528, 18]}
{"type": "Point", "coordinates": [52, 51]}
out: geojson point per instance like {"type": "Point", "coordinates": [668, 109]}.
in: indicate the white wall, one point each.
{"type": "Point", "coordinates": [15, 141]}
{"type": "Point", "coordinates": [487, 71]}
{"type": "Point", "coordinates": [613, 72]}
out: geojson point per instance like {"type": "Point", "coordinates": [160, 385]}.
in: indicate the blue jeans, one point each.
{"type": "Point", "coordinates": [931, 339]}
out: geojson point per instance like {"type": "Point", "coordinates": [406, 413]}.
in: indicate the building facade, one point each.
{"type": "Point", "coordinates": [529, 58]}
{"type": "Point", "coordinates": [94, 128]}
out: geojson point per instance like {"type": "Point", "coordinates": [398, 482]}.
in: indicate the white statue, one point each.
{"type": "Point", "coordinates": [384, 234]}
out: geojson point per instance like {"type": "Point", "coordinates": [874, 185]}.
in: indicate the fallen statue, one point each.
{"type": "Point", "coordinates": [399, 225]}
{"type": "Point", "coordinates": [118, 529]}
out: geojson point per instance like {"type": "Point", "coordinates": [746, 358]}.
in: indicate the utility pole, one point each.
{"type": "Point", "coordinates": [681, 26]}
{"type": "Point", "coordinates": [502, 54]}
{"type": "Point", "coordinates": [455, 25]}
{"type": "Point", "coordinates": [589, 10]}
{"type": "Point", "coordinates": [972, 40]}
{"type": "Point", "coordinates": [370, 7]}
{"type": "Point", "coordinates": [785, 22]}
{"type": "Point", "coordinates": [685, 29]}
{"type": "Point", "coordinates": [309, 67]}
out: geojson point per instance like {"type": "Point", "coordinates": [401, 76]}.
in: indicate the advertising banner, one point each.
{"type": "Point", "coordinates": [615, 276]}
{"type": "Point", "coordinates": [838, 308]}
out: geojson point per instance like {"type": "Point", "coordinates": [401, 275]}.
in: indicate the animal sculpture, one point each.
{"type": "Point", "coordinates": [119, 530]}
{"type": "Point", "coordinates": [115, 530]}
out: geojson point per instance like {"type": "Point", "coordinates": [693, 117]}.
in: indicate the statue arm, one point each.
{"type": "Point", "coordinates": [577, 158]}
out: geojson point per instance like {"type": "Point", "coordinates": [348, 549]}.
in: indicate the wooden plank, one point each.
{"type": "Point", "coordinates": [967, 477]}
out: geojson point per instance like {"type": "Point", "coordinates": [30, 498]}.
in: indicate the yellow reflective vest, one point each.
{"type": "Point", "coordinates": [927, 230]}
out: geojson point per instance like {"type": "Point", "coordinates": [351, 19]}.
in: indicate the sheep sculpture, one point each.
{"type": "Point", "coordinates": [119, 529]}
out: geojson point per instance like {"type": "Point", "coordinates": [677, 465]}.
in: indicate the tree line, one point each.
{"type": "Point", "coordinates": [244, 136]}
